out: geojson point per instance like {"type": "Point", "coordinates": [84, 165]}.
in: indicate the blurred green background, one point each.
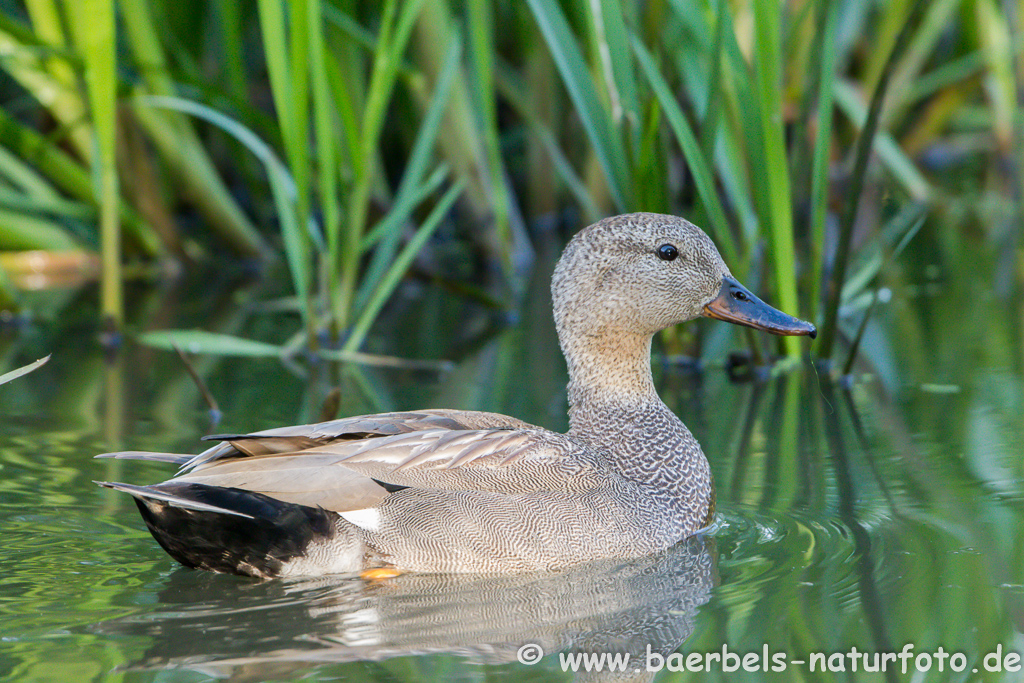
{"type": "Point", "coordinates": [815, 140]}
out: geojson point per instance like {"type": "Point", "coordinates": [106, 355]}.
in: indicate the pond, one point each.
{"type": "Point", "coordinates": [883, 517]}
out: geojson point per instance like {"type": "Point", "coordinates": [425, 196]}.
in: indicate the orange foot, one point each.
{"type": "Point", "coordinates": [380, 573]}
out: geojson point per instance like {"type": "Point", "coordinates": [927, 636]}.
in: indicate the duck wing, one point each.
{"type": "Point", "coordinates": [293, 439]}
{"type": "Point", "coordinates": [355, 462]}
{"type": "Point", "coordinates": [355, 474]}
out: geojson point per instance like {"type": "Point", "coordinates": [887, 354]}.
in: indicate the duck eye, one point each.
{"type": "Point", "coordinates": [667, 252]}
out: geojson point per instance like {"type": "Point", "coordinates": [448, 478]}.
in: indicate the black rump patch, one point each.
{"type": "Point", "coordinates": [277, 533]}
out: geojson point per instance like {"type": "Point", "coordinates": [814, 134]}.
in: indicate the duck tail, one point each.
{"type": "Point", "coordinates": [229, 530]}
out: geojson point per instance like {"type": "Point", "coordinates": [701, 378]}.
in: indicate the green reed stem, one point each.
{"type": "Point", "coordinates": [822, 143]}
{"type": "Point", "coordinates": [863, 154]}
{"type": "Point", "coordinates": [768, 80]}
{"type": "Point", "coordinates": [93, 23]}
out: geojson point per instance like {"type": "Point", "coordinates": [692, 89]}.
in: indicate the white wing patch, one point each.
{"type": "Point", "coordinates": [367, 519]}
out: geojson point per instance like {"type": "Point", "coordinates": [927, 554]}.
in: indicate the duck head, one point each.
{"type": "Point", "coordinates": [639, 273]}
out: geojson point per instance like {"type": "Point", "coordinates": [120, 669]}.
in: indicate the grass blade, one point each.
{"type": "Point", "coordinates": [275, 49]}
{"type": "Point", "coordinates": [864, 146]}
{"type": "Point", "coordinates": [22, 232]}
{"type": "Point", "coordinates": [379, 361]}
{"type": "Point", "coordinates": [403, 207]}
{"type": "Point", "coordinates": [514, 92]}
{"type": "Point", "coordinates": [484, 98]}
{"type": "Point", "coordinates": [822, 144]}
{"type": "Point", "coordinates": [230, 19]}
{"type": "Point", "coordinates": [12, 199]}
{"type": "Point", "coordinates": [212, 343]}
{"type": "Point", "coordinates": [23, 370]}
{"type": "Point", "coordinates": [713, 108]}
{"type": "Point", "coordinates": [176, 140]}
{"type": "Point", "coordinates": [323, 113]}
{"type": "Point", "coordinates": [606, 141]}
{"type": "Point", "coordinates": [391, 44]}
{"type": "Point", "coordinates": [281, 183]}
{"type": "Point", "coordinates": [290, 89]}
{"type": "Point", "coordinates": [768, 78]}
{"type": "Point", "coordinates": [889, 152]}
{"type": "Point", "coordinates": [615, 47]}
{"type": "Point", "coordinates": [933, 27]}
{"type": "Point", "coordinates": [410, 191]}
{"type": "Point", "coordinates": [23, 60]}
{"type": "Point", "coordinates": [1002, 84]}
{"type": "Point", "coordinates": [93, 23]}
{"type": "Point", "coordinates": [22, 176]}
{"type": "Point", "coordinates": [893, 239]}
{"type": "Point", "coordinates": [692, 153]}
{"type": "Point", "coordinates": [398, 268]}
{"type": "Point", "coordinates": [68, 175]}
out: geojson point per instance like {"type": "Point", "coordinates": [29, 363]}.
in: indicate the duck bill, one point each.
{"type": "Point", "coordinates": [736, 304]}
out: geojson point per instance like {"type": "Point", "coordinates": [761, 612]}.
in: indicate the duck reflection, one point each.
{"type": "Point", "coordinates": [222, 627]}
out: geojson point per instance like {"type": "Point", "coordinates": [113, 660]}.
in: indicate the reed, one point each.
{"type": "Point", "coordinates": [864, 146]}
{"type": "Point", "coordinates": [747, 116]}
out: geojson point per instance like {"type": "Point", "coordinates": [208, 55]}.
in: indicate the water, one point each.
{"type": "Point", "coordinates": [888, 514]}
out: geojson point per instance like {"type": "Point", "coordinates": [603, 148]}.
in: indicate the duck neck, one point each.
{"type": "Point", "coordinates": [614, 408]}
{"type": "Point", "coordinates": [608, 369]}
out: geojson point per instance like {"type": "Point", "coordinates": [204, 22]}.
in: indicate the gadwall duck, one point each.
{"type": "Point", "coordinates": [465, 491]}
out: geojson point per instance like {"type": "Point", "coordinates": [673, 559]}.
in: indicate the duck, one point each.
{"type": "Point", "coordinates": [457, 491]}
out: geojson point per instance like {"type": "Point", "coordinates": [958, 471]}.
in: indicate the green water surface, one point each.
{"type": "Point", "coordinates": [876, 516]}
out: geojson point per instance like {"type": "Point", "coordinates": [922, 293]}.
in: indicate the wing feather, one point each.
{"type": "Point", "coordinates": [360, 428]}
{"type": "Point", "coordinates": [153, 493]}
{"type": "Point", "coordinates": [173, 458]}
{"type": "Point", "coordinates": [354, 474]}
{"type": "Point", "coordinates": [356, 462]}
{"type": "Point", "coordinates": [501, 461]}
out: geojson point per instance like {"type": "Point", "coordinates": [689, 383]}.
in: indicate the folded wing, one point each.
{"type": "Point", "coordinates": [355, 463]}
